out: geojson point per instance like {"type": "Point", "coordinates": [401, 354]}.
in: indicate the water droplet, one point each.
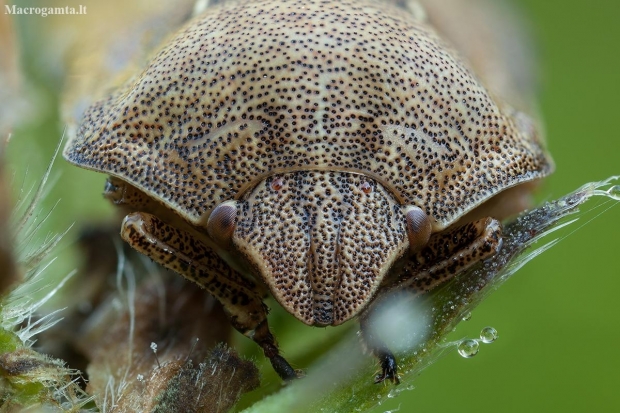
{"type": "Point", "coordinates": [468, 348]}
{"type": "Point", "coordinates": [467, 316]}
{"type": "Point", "coordinates": [614, 191]}
{"type": "Point", "coordinates": [488, 335]}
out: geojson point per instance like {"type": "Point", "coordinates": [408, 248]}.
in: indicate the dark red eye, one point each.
{"type": "Point", "coordinates": [277, 184]}
{"type": "Point", "coordinates": [366, 187]}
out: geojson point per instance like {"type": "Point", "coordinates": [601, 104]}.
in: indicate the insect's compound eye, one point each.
{"type": "Point", "coordinates": [366, 187]}
{"type": "Point", "coordinates": [277, 184]}
{"type": "Point", "coordinates": [418, 228]}
{"type": "Point", "coordinates": [221, 223]}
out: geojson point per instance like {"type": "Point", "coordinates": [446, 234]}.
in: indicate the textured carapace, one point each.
{"type": "Point", "coordinates": [257, 88]}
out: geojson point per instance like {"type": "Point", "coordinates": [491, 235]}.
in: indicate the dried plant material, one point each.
{"type": "Point", "coordinates": [28, 378]}
{"type": "Point", "coordinates": [149, 357]}
{"type": "Point", "coordinates": [92, 286]}
{"type": "Point", "coordinates": [32, 379]}
{"type": "Point", "coordinates": [24, 365]}
{"type": "Point", "coordinates": [180, 386]}
{"type": "Point", "coordinates": [213, 386]}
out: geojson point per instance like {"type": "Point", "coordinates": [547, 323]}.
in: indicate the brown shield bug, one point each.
{"type": "Point", "coordinates": [323, 150]}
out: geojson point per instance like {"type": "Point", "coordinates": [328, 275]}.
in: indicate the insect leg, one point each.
{"type": "Point", "coordinates": [449, 253]}
{"type": "Point", "coordinates": [179, 251]}
{"type": "Point", "coordinates": [380, 350]}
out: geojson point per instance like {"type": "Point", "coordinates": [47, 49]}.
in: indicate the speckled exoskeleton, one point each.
{"type": "Point", "coordinates": [326, 151]}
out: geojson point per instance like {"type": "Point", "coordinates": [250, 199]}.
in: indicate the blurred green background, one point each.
{"type": "Point", "coordinates": [557, 318]}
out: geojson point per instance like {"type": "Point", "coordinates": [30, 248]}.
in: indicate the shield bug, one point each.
{"type": "Point", "coordinates": [325, 151]}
